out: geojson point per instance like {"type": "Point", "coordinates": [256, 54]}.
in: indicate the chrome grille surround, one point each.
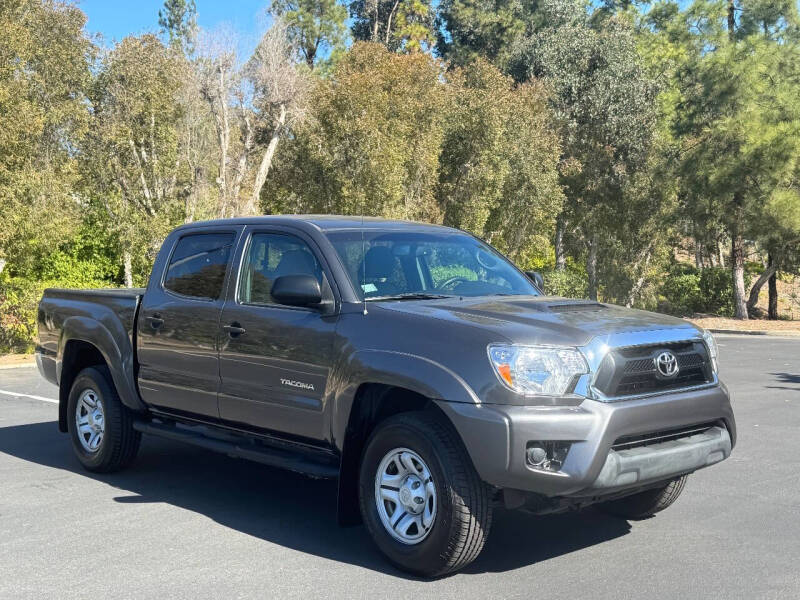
{"type": "Point", "coordinates": [631, 343]}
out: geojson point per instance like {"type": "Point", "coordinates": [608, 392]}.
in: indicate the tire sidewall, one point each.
{"type": "Point", "coordinates": [94, 379]}
{"type": "Point", "coordinates": [424, 556]}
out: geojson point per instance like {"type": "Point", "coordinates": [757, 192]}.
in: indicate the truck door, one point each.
{"type": "Point", "coordinates": [178, 325]}
{"type": "Point", "coordinates": [275, 359]}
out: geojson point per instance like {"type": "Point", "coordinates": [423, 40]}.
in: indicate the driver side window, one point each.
{"type": "Point", "coordinates": [273, 255]}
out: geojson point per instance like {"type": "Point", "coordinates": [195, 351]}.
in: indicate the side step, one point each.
{"type": "Point", "coordinates": [240, 448]}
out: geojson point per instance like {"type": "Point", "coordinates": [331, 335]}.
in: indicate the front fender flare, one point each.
{"type": "Point", "coordinates": [416, 373]}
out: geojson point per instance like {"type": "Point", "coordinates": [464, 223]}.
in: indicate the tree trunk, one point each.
{"type": "Point", "coordinates": [561, 258]}
{"type": "Point", "coordinates": [128, 268]}
{"type": "Point", "coordinates": [389, 23]}
{"type": "Point", "coordinates": [2, 264]}
{"type": "Point", "coordinates": [731, 19]}
{"type": "Point", "coordinates": [643, 263]}
{"type": "Point", "coordinates": [591, 268]}
{"type": "Point", "coordinates": [375, 5]}
{"type": "Point", "coordinates": [266, 162]}
{"type": "Point", "coordinates": [756, 289]}
{"type": "Point", "coordinates": [698, 251]}
{"type": "Point", "coordinates": [737, 268]}
{"type": "Point", "coordinates": [773, 292]}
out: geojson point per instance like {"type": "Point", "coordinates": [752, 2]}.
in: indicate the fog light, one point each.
{"type": "Point", "coordinates": [546, 456]}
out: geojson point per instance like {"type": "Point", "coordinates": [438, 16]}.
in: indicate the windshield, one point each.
{"type": "Point", "coordinates": [414, 265]}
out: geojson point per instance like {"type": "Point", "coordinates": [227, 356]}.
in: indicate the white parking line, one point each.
{"type": "Point", "coordinates": [19, 395]}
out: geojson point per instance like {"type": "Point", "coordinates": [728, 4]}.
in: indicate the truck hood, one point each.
{"type": "Point", "coordinates": [543, 319]}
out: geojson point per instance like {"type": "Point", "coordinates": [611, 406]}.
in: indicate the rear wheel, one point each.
{"type": "Point", "coordinates": [645, 504]}
{"type": "Point", "coordinates": [420, 497]}
{"type": "Point", "coordinates": [100, 426]}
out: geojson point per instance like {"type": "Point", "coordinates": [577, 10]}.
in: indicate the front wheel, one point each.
{"type": "Point", "coordinates": [421, 499]}
{"type": "Point", "coordinates": [100, 426]}
{"type": "Point", "coordinates": [645, 504]}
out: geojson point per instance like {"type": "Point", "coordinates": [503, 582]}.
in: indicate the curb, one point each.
{"type": "Point", "coordinates": [23, 365]}
{"type": "Point", "coordinates": [757, 332]}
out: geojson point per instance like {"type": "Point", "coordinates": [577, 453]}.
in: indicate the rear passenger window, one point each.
{"type": "Point", "coordinates": [198, 264]}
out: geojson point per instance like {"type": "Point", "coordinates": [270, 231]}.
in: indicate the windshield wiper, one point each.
{"type": "Point", "coordinates": [410, 296]}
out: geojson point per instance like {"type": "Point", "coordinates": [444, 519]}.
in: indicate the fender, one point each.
{"type": "Point", "coordinates": [118, 359]}
{"type": "Point", "coordinates": [416, 373]}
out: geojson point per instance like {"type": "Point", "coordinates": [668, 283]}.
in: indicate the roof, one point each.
{"type": "Point", "coordinates": [325, 222]}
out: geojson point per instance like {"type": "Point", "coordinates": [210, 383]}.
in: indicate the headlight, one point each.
{"type": "Point", "coordinates": [711, 344]}
{"type": "Point", "coordinates": [537, 369]}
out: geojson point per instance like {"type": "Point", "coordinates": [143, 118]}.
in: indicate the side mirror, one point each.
{"type": "Point", "coordinates": [297, 290]}
{"type": "Point", "coordinates": [537, 279]}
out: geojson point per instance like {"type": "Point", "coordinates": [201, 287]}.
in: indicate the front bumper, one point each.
{"type": "Point", "coordinates": [496, 437]}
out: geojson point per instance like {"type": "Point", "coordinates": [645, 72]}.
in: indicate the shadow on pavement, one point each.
{"type": "Point", "coordinates": [785, 378]}
{"type": "Point", "coordinates": [293, 511]}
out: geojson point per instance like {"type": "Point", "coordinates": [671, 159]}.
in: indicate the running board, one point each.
{"type": "Point", "coordinates": [274, 457]}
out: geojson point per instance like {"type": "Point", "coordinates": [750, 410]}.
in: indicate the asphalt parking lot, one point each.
{"type": "Point", "coordinates": [187, 523]}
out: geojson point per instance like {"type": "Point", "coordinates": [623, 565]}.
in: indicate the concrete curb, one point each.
{"type": "Point", "coordinates": [757, 332]}
{"type": "Point", "coordinates": [24, 365]}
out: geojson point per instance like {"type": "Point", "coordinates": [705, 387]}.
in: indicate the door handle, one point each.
{"type": "Point", "coordinates": [155, 321]}
{"type": "Point", "coordinates": [234, 329]}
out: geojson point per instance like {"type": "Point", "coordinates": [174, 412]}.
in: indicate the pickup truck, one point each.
{"type": "Point", "coordinates": [412, 362]}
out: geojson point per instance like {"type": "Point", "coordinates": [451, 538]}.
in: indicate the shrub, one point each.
{"type": "Point", "coordinates": [19, 298]}
{"type": "Point", "coordinates": [687, 290]}
{"type": "Point", "coordinates": [682, 293]}
{"type": "Point", "coordinates": [569, 283]}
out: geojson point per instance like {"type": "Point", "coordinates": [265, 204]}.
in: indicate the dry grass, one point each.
{"type": "Point", "coordinates": [749, 325]}
{"type": "Point", "coordinates": [10, 360]}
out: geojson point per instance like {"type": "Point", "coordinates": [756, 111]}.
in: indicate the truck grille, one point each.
{"type": "Point", "coordinates": [658, 437]}
{"type": "Point", "coordinates": [632, 371]}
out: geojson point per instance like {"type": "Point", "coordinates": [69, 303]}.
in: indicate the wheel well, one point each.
{"type": "Point", "coordinates": [78, 355]}
{"type": "Point", "coordinates": [372, 404]}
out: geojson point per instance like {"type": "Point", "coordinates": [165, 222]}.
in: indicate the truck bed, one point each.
{"type": "Point", "coordinates": [106, 318]}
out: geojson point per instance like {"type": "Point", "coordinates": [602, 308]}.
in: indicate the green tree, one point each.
{"type": "Point", "coordinates": [468, 29]}
{"type": "Point", "coordinates": [739, 127]}
{"type": "Point", "coordinates": [44, 74]}
{"type": "Point", "coordinates": [604, 103]}
{"type": "Point", "coordinates": [498, 173]}
{"type": "Point", "coordinates": [371, 143]}
{"type": "Point", "coordinates": [397, 24]}
{"type": "Point", "coordinates": [178, 20]}
{"type": "Point", "coordinates": [742, 142]}
{"type": "Point", "coordinates": [132, 165]}
{"type": "Point", "coordinates": [315, 27]}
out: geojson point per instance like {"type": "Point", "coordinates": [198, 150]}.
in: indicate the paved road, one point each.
{"type": "Point", "coordinates": [186, 523]}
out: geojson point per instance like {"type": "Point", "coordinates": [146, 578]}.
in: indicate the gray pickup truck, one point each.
{"type": "Point", "coordinates": [412, 362]}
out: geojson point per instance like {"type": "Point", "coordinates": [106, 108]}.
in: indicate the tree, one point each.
{"type": "Point", "coordinates": [252, 107]}
{"type": "Point", "coordinates": [178, 20]}
{"type": "Point", "coordinates": [315, 27]}
{"type": "Point", "coordinates": [740, 126]}
{"type": "Point", "coordinates": [371, 143]}
{"type": "Point", "coordinates": [604, 103]}
{"type": "Point", "coordinates": [498, 175]}
{"type": "Point", "coordinates": [468, 29]}
{"type": "Point", "coordinates": [397, 24]}
{"type": "Point", "coordinates": [44, 74]}
{"type": "Point", "coordinates": [280, 94]}
{"type": "Point", "coordinates": [132, 164]}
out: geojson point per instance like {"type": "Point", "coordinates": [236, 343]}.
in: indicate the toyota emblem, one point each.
{"type": "Point", "coordinates": [666, 364]}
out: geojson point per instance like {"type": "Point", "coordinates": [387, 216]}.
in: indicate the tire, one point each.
{"type": "Point", "coordinates": [462, 513]}
{"type": "Point", "coordinates": [119, 442]}
{"type": "Point", "coordinates": [645, 504]}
